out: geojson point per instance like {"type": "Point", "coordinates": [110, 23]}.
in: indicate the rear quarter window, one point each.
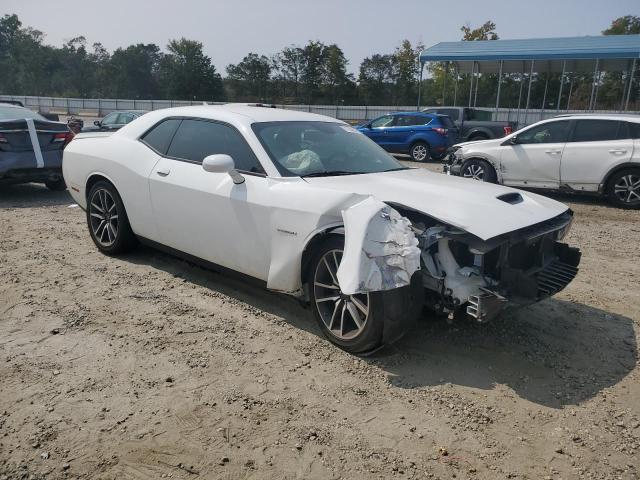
{"type": "Point", "coordinates": [159, 137]}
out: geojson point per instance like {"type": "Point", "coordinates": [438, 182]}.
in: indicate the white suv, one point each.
{"type": "Point", "coordinates": [575, 153]}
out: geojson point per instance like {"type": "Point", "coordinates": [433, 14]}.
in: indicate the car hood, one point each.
{"type": "Point", "coordinates": [474, 142]}
{"type": "Point", "coordinates": [467, 204]}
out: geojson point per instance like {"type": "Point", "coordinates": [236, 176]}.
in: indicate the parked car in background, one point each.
{"type": "Point", "coordinates": [114, 121]}
{"type": "Point", "coordinates": [31, 147]}
{"type": "Point", "coordinates": [474, 123]}
{"type": "Point", "coordinates": [49, 116]}
{"type": "Point", "coordinates": [421, 135]}
{"type": "Point", "coordinates": [312, 208]}
{"type": "Point", "coordinates": [574, 153]}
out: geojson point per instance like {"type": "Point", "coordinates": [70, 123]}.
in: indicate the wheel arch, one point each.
{"type": "Point", "coordinates": [480, 131]}
{"type": "Point", "coordinates": [484, 159]}
{"type": "Point", "coordinates": [95, 178]}
{"type": "Point", "coordinates": [603, 187]}
{"type": "Point", "coordinates": [310, 247]}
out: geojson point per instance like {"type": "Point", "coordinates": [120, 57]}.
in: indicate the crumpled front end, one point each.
{"type": "Point", "coordinates": [381, 250]}
{"type": "Point", "coordinates": [464, 274]}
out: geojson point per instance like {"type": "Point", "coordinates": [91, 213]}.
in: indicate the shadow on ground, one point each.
{"type": "Point", "coordinates": [32, 195]}
{"type": "Point", "coordinates": [554, 353]}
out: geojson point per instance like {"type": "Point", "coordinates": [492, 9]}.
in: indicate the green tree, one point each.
{"type": "Point", "coordinates": [250, 78]}
{"type": "Point", "coordinates": [288, 66]}
{"type": "Point", "coordinates": [376, 79]}
{"type": "Point", "coordinates": [406, 68]}
{"type": "Point", "coordinates": [486, 31]}
{"type": "Point", "coordinates": [187, 73]}
{"type": "Point", "coordinates": [614, 85]}
{"type": "Point", "coordinates": [134, 72]}
{"type": "Point", "coordinates": [627, 25]}
{"type": "Point", "coordinates": [337, 84]}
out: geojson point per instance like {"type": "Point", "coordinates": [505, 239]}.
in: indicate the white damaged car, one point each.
{"type": "Point", "coordinates": [315, 209]}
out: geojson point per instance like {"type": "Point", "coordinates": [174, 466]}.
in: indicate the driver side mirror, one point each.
{"type": "Point", "coordinates": [513, 140]}
{"type": "Point", "coordinates": [97, 123]}
{"type": "Point", "coordinates": [222, 163]}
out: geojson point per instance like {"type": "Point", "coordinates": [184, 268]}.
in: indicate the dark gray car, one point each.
{"type": "Point", "coordinates": [31, 147]}
{"type": "Point", "coordinates": [114, 121]}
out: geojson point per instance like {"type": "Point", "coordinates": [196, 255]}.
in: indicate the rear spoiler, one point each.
{"type": "Point", "coordinates": [82, 135]}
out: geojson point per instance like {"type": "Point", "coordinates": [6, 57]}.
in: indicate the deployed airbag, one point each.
{"type": "Point", "coordinates": [380, 252]}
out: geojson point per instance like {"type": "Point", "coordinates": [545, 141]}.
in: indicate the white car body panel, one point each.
{"type": "Point", "coordinates": [452, 200]}
{"type": "Point", "coordinates": [584, 164]}
{"type": "Point", "coordinates": [262, 226]}
{"type": "Point", "coordinates": [581, 166]}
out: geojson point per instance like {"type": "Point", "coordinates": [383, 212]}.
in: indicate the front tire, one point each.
{"type": "Point", "coordinates": [419, 152]}
{"type": "Point", "coordinates": [359, 323]}
{"type": "Point", "coordinates": [107, 220]}
{"type": "Point", "coordinates": [624, 188]}
{"type": "Point", "coordinates": [477, 169]}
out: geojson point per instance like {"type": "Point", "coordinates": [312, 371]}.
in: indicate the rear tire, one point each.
{"type": "Point", "coordinates": [107, 220]}
{"type": "Point", "coordinates": [360, 323]}
{"type": "Point", "coordinates": [477, 169]}
{"type": "Point", "coordinates": [56, 185]}
{"type": "Point", "coordinates": [420, 152]}
{"type": "Point", "coordinates": [623, 188]}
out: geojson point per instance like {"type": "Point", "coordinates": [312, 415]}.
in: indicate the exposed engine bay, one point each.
{"type": "Point", "coordinates": [464, 274]}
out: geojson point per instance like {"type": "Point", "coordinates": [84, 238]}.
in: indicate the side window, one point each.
{"type": "Point", "coordinates": [110, 119]}
{"type": "Point", "coordinates": [125, 118]}
{"type": "Point", "coordinates": [197, 139]}
{"type": "Point", "coordinates": [634, 129]}
{"type": "Point", "coordinates": [452, 113]}
{"type": "Point", "coordinates": [159, 137]}
{"type": "Point", "coordinates": [406, 120]}
{"type": "Point", "coordinates": [385, 121]}
{"type": "Point", "coordinates": [595, 130]}
{"type": "Point", "coordinates": [553, 132]}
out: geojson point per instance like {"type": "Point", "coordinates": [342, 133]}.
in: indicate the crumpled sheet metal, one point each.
{"type": "Point", "coordinates": [380, 252]}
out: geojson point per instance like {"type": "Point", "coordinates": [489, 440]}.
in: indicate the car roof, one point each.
{"type": "Point", "coordinates": [129, 111]}
{"type": "Point", "coordinates": [601, 116]}
{"type": "Point", "coordinates": [240, 115]}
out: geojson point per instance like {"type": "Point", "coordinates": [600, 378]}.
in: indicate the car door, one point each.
{"type": "Point", "coordinates": [379, 129]}
{"type": "Point", "coordinates": [206, 214]}
{"type": "Point", "coordinates": [594, 147]}
{"type": "Point", "coordinates": [534, 159]}
{"type": "Point", "coordinates": [403, 128]}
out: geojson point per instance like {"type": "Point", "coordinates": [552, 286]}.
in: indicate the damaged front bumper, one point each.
{"type": "Point", "coordinates": [463, 274]}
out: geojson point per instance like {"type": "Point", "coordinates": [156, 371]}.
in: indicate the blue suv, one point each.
{"type": "Point", "coordinates": [421, 135]}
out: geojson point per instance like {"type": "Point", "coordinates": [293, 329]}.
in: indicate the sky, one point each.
{"type": "Point", "coordinates": [231, 29]}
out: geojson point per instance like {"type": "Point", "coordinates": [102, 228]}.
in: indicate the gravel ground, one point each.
{"type": "Point", "coordinates": [146, 367]}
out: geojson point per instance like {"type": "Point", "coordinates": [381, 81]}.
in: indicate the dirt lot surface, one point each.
{"type": "Point", "coordinates": [146, 367]}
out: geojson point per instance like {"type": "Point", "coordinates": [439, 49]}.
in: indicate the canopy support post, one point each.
{"type": "Point", "coordinates": [499, 85]}
{"type": "Point", "coordinates": [564, 67]}
{"type": "Point", "coordinates": [475, 96]}
{"type": "Point", "coordinates": [455, 85]}
{"type": "Point", "coordinates": [593, 84]}
{"type": "Point", "coordinates": [420, 84]}
{"type": "Point", "coordinates": [544, 96]}
{"type": "Point", "coordinates": [520, 93]}
{"type": "Point", "coordinates": [570, 92]}
{"type": "Point", "coordinates": [444, 82]}
{"type": "Point", "coordinates": [526, 110]}
{"type": "Point", "coordinates": [633, 72]}
{"type": "Point", "coordinates": [473, 70]}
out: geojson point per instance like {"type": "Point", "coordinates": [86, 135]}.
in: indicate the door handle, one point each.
{"type": "Point", "coordinates": [617, 152]}
{"type": "Point", "coordinates": [163, 172]}
{"type": "Point", "coordinates": [552, 152]}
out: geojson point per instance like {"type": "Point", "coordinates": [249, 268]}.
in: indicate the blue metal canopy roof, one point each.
{"type": "Point", "coordinates": [571, 48]}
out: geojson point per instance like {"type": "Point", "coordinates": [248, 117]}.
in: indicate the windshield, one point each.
{"type": "Point", "coordinates": [18, 113]}
{"type": "Point", "coordinates": [321, 148]}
